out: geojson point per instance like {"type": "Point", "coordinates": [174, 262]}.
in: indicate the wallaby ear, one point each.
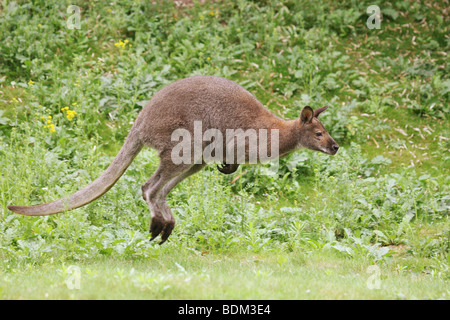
{"type": "Point", "coordinates": [307, 114]}
{"type": "Point", "coordinates": [317, 112]}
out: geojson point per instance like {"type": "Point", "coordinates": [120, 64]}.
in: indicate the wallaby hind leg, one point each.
{"type": "Point", "coordinates": [166, 171]}
{"type": "Point", "coordinates": [157, 219]}
{"type": "Point", "coordinates": [162, 202]}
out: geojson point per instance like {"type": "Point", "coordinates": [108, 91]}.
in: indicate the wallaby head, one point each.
{"type": "Point", "coordinates": [313, 134]}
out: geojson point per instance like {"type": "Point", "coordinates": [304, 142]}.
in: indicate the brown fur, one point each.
{"type": "Point", "coordinates": [219, 104]}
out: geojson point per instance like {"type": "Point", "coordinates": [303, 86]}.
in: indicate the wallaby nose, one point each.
{"type": "Point", "coordinates": [335, 147]}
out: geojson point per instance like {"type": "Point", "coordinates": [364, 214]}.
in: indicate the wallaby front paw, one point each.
{"type": "Point", "coordinates": [228, 168]}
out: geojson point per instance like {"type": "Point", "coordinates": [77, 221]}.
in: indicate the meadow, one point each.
{"type": "Point", "coordinates": [371, 222]}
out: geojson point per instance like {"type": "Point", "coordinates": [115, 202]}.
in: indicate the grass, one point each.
{"type": "Point", "coordinates": [321, 228]}
{"type": "Point", "coordinates": [175, 274]}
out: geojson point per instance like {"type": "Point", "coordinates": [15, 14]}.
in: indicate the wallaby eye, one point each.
{"type": "Point", "coordinates": [318, 134]}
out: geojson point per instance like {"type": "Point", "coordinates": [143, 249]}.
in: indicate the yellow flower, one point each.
{"type": "Point", "coordinates": [315, 170]}
{"type": "Point", "coordinates": [71, 114]}
{"type": "Point", "coordinates": [31, 82]}
{"type": "Point", "coordinates": [50, 126]}
{"type": "Point", "coordinates": [120, 44]}
{"type": "Point", "coordinates": [211, 13]}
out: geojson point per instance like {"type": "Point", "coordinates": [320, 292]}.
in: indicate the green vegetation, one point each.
{"type": "Point", "coordinates": [322, 228]}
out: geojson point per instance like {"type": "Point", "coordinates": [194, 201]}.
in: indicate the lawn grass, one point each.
{"type": "Point", "coordinates": [177, 274]}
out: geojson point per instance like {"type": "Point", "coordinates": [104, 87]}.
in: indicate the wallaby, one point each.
{"type": "Point", "coordinates": [217, 103]}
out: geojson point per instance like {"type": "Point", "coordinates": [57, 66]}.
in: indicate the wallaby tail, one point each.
{"type": "Point", "coordinates": [97, 188]}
